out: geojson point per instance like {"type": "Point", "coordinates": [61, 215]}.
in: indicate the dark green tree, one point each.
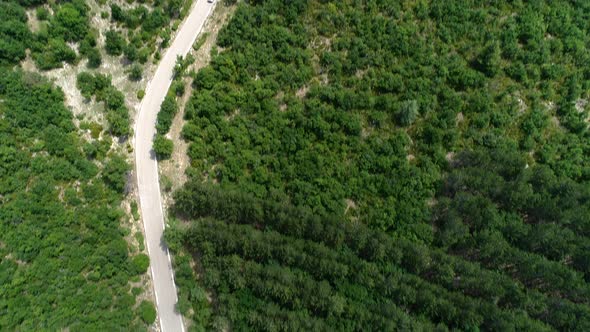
{"type": "Point", "coordinates": [163, 147]}
{"type": "Point", "coordinates": [115, 43]}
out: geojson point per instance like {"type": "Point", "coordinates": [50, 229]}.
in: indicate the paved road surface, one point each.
{"type": "Point", "coordinates": [147, 168]}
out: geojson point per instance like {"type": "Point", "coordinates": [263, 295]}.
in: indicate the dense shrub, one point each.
{"type": "Point", "coordinates": [114, 43]}
{"type": "Point", "coordinates": [141, 263]}
{"type": "Point", "coordinates": [147, 312]}
{"type": "Point", "coordinates": [163, 147]}
{"type": "Point", "coordinates": [450, 136]}
{"type": "Point", "coordinates": [63, 251]}
{"type": "Point", "coordinates": [168, 110]}
{"type": "Point", "coordinates": [100, 86]}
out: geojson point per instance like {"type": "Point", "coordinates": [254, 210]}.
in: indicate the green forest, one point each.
{"type": "Point", "coordinates": [63, 23]}
{"type": "Point", "coordinates": [49, 46]}
{"type": "Point", "coordinates": [355, 165]}
{"type": "Point", "coordinates": [65, 263]}
{"type": "Point", "coordinates": [142, 30]}
{"type": "Point", "coordinates": [389, 165]}
{"type": "Point", "coordinates": [275, 267]}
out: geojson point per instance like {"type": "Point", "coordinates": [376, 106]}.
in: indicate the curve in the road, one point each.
{"type": "Point", "coordinates": [147, 168]}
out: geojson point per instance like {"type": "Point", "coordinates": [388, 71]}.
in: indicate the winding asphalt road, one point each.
{"type": "Point", "coordinates": [147, 168]}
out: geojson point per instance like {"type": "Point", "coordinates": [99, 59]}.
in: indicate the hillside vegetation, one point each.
{"type": "Point", "coordinates": [65, 260]}
{"type": "Point", "coordinates": [390, 165]}
{"type": "Point", "coordinates": [140, 30]}
{"type": "Point", "coordinates": [50, 46]}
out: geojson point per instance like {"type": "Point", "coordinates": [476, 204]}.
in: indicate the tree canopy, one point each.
{"type": "Point", "coordinates": [274, 266]}
{"type": "Point", "coordinates": [64, 262]}
{"type": "Point", "coordinates": [449, 137]}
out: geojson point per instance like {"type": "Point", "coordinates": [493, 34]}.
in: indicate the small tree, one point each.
{"type": "Point", "coordinates": [490, 59]}
{"type": "Point", "coordinates": [182, 64]}
{"type": "Point", "coordinates": [163, 147]}
{"type": "Point", "coordinates": [178, 88]}
{"type": "Point", "coordinates": [131, 52]}
{"type": "Point", "coordinates": [135, 72]}
{"type": "Point", "coordinates": [85, 83]}
{"type": "Point", "coordinates": [94, 58]}
{"type": "Point", "coordinates": [119, 121]}
{"type": "Point", "coordinates": [407, 113]}
{"type": "Point", "coordinates": [141, 263]}
{"type": "Point", "coordinates": [117, 13]}
{"type": "Point", "coordinates": [114, 173]}
{"type": "Point", "coordinates": [70, 23]}
{"type": "Point", "coordinates": [168, 110]}
{"type": "Point", "coordinates": [42, 14]}
{"type": "Point", "coordinates": [115, 44]}
{"type": "Point", "coordinates": [147, 312]}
